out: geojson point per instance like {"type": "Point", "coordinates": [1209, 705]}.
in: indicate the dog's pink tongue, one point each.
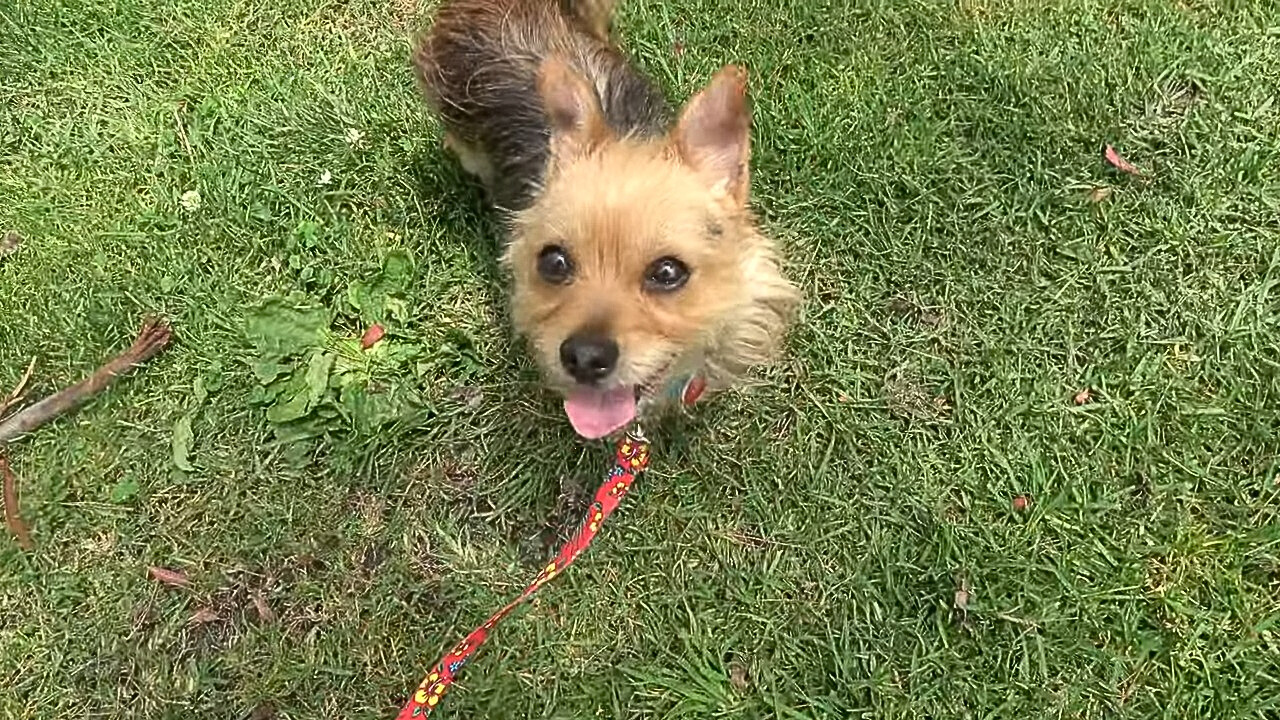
{"type": "Point", "coordinates": [596, 413]}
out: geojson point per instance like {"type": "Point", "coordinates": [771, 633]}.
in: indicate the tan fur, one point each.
{"type": "Point", "coordinates": [511, 76]}
{"type": "Point", "coordinates": [618, 209]}
{"type": "Point", "coordinates": [595, 16]}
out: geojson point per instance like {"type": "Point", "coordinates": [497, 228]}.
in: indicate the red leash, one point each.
{"type": "Point", "coordinates": [631, 458]}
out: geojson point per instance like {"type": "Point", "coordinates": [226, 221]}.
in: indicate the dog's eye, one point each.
{"type": "Point", "coordinates": [665, 275]}
{"type": "Point", "coordinates": [554, 265]}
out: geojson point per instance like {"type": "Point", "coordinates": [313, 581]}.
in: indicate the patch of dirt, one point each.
{"type": "Point", "coordinates": [142, 618]}
{"type": "Point", "coordinates": [538, 538]}
{"type": "Point", "coordinates": [1179, 97]}
{"type": "Point", "coordinates": [455, 478]}
{"type": "Point", "coordinates": [215, 620]}
{"type": "Point", "coordinates": [265, 710]}
{"type": "Point", "coordinates": [371, 558]}
{"type": "Point", "coordinates": [955, 509]}
{"type": "Point", "coordinates": [908, 398]}
{"type": "Point", "coordinates": [1099, 193]}
{"type": "Point", "coordinates": [471, 397]}
{"type": "Point", "coordinates": [750, 537]}
{"type": "Point", "coordinates": [928, 316]}
{"type": "Point", "coordinates": [370, 508]}
{"type": "Point", "coordinates": [427, 564]}
{"type": "Point", "coordinates": [571, 504]}
{"type": "Point", "coordinates": [301, 565]}
{"type": "Point", "coordinates": [300, 619]}
{"type": "Point", "coordinates": [1140, 489]}
{"type": "Point", "coordinates": [1164, 114]}
{"type": "Point", "coordinates": [429, 602]}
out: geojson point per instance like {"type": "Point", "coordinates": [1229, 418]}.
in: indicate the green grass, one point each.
{"type": "Point", "coordinates": [797, 549]}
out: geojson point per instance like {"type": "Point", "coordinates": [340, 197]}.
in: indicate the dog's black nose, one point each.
{"type": "Point", "coordinates": [588, 358]}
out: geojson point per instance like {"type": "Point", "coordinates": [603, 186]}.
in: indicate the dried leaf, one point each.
{"type": "Point", "coordinates": [1083, 397]}
{"type": "Point", "coordinates": [172, 578]}
{"type": "Point", "coordinates": [10, 242]}
{"type": "Point", "coordinates": [264, 711]}
{"type": "Point", "coordinates": [1116, 161]}
{"type": "Point", "coordinates": [961, 599]}
{"type": "Point", "coordinates": [1099, 193]}
{"type": "Point", "coordinates": [204, 616]}
{"type": "Point", "coordinates": [265, 613]}
{"type": "Point", "coordinates": [472, 397]}
{"type": "Point", "coordinates": [11, 517]}
{"type": "Point", "coordinates": [739, 677]}
{"type": "Point", "coordinates": [372, 336]}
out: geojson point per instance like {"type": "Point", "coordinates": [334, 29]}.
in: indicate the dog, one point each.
{"type": "Point", "coordinates": [636, 264]}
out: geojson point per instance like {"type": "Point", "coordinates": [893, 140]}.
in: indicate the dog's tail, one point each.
{"type": "Point", "coordinates": [595, 16]}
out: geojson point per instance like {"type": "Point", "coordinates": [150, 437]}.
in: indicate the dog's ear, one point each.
{"type": "Point", "coordinates": [713, 135]}
{"type": "Point", "coordinates": [573, 109]}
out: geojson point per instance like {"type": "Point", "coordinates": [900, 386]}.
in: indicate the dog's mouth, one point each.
{"type": "Point", "coordinates": [597, 412]}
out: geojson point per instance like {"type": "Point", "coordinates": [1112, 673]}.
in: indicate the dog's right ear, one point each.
{"type": "Point", "coordinates": [713, 134]}
{"type": "Point", "coordinates": [573, 110]}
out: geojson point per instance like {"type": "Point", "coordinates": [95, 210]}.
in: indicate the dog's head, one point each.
{"type": "Point", "coordinates": [639, 262]}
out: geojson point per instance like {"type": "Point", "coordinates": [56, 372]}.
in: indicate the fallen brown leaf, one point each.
{"type": "Point", "coordinates": [1118, 162]}
{"type": "Point", "coordinates": [263, 711]}
{"type": "Point", "coordinates": [204, 616]}
{"type": "Point", "coordinates": [1099, 193]}
{"type": "Point", "coordinates": [172, 578]}
{"type": "Point", "coordinates": [472, 397]}
{"type": "Point", "coordinates": [10, 242]}
{"type": "Point", "coordinates": [961, 599]}
{"type": "Point", "coordinates": [265, 612]}
{"type": "Point", "coordinates": [739, 677]}
{"type": "Point", "coordinates": [1083, 397]}
{"type": "Point", "coordinates": [12, 519]}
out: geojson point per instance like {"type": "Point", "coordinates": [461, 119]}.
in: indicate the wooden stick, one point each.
{"type": "Point", "coordinates": [154, 337]}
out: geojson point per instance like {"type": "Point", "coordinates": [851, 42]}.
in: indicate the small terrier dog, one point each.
{"type": "Point", "coordinates": [636, 262]}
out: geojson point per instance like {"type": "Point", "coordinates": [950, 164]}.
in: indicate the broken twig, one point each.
{"type": "Point", "coordinates": [153, 338]}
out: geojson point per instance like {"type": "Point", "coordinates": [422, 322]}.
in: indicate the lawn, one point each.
{"type": "Point", "coordinates": [992, 313]}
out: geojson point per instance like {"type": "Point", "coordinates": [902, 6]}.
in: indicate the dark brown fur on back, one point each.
{"type": "Point", "coordinates": [479, 67]}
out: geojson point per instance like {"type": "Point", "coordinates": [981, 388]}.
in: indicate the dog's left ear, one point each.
{"type": "Point", "coordinates": [572, 107]}
{"type": "Point", "coordinates": [713, 135]}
